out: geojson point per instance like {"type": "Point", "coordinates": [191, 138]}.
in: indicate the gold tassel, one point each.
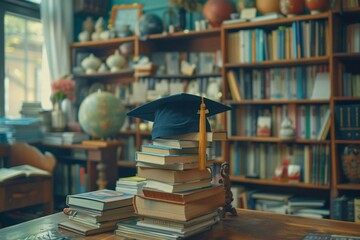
{"type": "Point", "coordinates": [202, 133]}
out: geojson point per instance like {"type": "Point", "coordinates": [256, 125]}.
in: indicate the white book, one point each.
{"type": "Point", "coordinates": [321, 89]}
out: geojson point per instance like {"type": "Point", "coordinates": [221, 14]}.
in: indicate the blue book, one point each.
{"type": "Point", "coordinates": [294, 32]}
{"type": "Point", "coordinates": [100, 200]}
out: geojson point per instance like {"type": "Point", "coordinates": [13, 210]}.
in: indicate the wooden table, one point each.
{"type": "Point", "coordinates": [247, 225]}
{"type": "Point", "coordinates": [101, 162]}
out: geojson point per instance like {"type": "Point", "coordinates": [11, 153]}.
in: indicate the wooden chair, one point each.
{"type": "Point", "coordinates": [28, 191]}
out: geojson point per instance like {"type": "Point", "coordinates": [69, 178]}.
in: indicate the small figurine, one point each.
{"type": "Point", "coordinates": [286, 130]}
{"type": "Point", "coordinates": [88, 28]}
{"type": "Point", "coordinates": [99, 28]}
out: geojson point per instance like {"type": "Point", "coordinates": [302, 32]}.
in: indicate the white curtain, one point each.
{"type": "Point", "coordinates": [57, 21]}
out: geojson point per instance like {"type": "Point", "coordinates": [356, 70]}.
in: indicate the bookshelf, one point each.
{"type": "Point", "coordinates": [322, 50]}
{"type": "Point", "coordinates": [137, 132]}
{"type": "Point", "coordinates": [286, 59]}
{"type": "Point", "coordinates": [346, 78]}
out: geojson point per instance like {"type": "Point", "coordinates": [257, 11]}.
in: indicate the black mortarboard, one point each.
{"type": "Point", "coordinates": [176, 114]}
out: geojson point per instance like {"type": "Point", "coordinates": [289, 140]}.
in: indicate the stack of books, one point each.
{"type": "Point", "coordinates": [131, 185]}
{"type": "Point", "coordinates": [98, 211]}
{"type": "Point", "coordinates": [178, 199]}
{"type": "Point", "coordinates": [31, 109]}
{"type": "Point", "coordinates": [21, 129]}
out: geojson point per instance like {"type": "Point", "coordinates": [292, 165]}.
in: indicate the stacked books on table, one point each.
{"type": "Point", "coordinates": [132, 185]}
{"type": "Point", "coordinates": [98, 211]}
{"type": "Point", "coordinates": [178, 199]}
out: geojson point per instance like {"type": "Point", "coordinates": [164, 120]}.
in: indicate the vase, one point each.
{"type": "Point", "coordinates": [58, 120]}
{"type": "Point", "coordinates": [317, 6]}
{"type": "Point", "coordinates": [216, 11]}
{"type": "Point", "coordinates": [268, 6]}
{"type": "Point", "coordinates": [350, 161]}
{"type": "Point", "coordinates": [291, 8]}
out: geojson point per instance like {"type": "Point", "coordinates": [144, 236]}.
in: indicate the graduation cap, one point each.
{"type": "Point", "coordinates": [176, 114]}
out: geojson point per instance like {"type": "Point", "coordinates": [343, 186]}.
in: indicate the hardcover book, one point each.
{"type": "Point", "coordinates": [100, 200]}
{"type": "Point", "coordinates": [164, 159]}
{"type": "Point", "coordinates": [175, 211]}
{"type": "Point", "coordinates": [172, 176]}
{"type": "Point", "coordinates": [84, 229]}
{"type": "Point", "coordinates": [178, 187]}
{"type": "Point", "coordinates": [175, 166]}
{"type": "Point", "coordinates": [151, 148]}
{"type": "Point", "coordinates": [21, 171]}
{"type": "Point", "coordinates": [185, 197]}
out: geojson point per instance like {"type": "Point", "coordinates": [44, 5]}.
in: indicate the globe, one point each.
{"type": "Point", "coordinates": [101, 114]}
{"type": "Point", "coordinates": [150, 24]}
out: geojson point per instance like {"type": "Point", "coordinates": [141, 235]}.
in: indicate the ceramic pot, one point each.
{"type": "Point", "coordinates": [291, 8]}
{"type": "Point", "coordinates": [88, 25]}
{"type": "Point", "coordinates": [91, 64]}
{"type": "Point", "coordinates": [103, 68]}
{"type": "Point", "coordinates": [350, 160]}
{"type": "Point", "coordinates": [268, 6]}
{"type": "Point", "coordinates": [124, 31]}
{"type": "Point", "coordinates": [84, 36]}
{"type": "Point", "coordinates": [116, 61]}
{"type": "Point", "coordinates": [216, 11]}
{"type": "Point", "coordinates": [286, 130]}
{"type": "Point", "coordinates": [317, 6]}
{"type": "Point", "coordinates": [127, 49]}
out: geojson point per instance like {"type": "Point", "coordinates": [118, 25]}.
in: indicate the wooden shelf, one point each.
{"type": "Point", "coordinates": [279, 101]}
{"type": "Point", "coordinates": [185, 34]}
{"type": "Point", "coordinates": [125, 163]}
{"type": "Point", "coordinates": [105, 75]}
{"type": "Point", "coordinates": [204, 75]}
{"type": "Point", "coordinates": [348, 186]}
{"type": "Point", "coordinates": [102, 43]}
{"type": "Point", "coordinates": [127, 132]}
{"type": "Point", "coordinates": [276, 22]}
{"type": "Point", "coordinates": [145, 133]}
{"type": "Point", "coordinates": [347, 141]}
{"type": "Point", "coordinates": [347, 56]}
{"type": "Point", "coordinates": [278, 183]}
{"type": "Point", "coordinates": [276, 140]}
{"type": "Point", "coordinates": [346, 99]}
{"type": "Point", "coordinates": [280, 63]}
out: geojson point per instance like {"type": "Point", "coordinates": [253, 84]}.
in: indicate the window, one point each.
{"type": "Point", "coordinates": [23, 58]}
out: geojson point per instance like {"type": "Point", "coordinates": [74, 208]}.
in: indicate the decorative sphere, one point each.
{"type": "Point", "coordinates": [150, 24]}
{"type": "Point", "coordinates": [101, 114]}
{"type": "Point", "coordinates": [268, 6]}
{"type": "Point", "coordinates": [216, 11]}
{"type": "Point", "coordinates": [317, 6]}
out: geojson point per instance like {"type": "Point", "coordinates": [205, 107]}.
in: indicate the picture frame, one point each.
{"type": "Point", "coordinates": [125, 14]}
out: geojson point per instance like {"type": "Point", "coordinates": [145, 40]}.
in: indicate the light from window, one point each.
{"type": "Point", "coordinates": [23, 64]}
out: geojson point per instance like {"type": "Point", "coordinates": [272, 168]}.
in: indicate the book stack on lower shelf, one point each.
{"type": "Point", "coordinates": [97, 211]}
{"type": "Point", "coordinates": [178, 199]}
{"type": "Point", "coordinates": [132, 185]}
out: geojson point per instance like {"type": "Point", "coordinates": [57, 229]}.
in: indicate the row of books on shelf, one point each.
{"type": "Point", "coordinates": [350, 84]}
{"type": "Point", "coordinates": [347, 124]}
{"type": "Point", "coordinates": [301, 39]}
{"type": "Point", "coordinates": [64, 137]}
{"type": "Point", "coordinates": [311, 82]}
{"type": "Point", "coordinates": [170, 62]}
{"type": "Point", "coordinates": [348, 4]}
{"type": "Point", "coordinates": [148, 88]}
{"type": "Point", "coordinates": [346, 208]}
{"type": "Point", "coordinates": [308, 164]}
{"type": "Point", "coordinates": [351, 38]}
{"type": "Point", "coordinates": [25, 129]}
{"type": "Point", "coordinates": [310, 121]}
{"type": "Point", "coordinates": [280, 203]}
{"type": "Point", "coordinates": [74, 178]}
